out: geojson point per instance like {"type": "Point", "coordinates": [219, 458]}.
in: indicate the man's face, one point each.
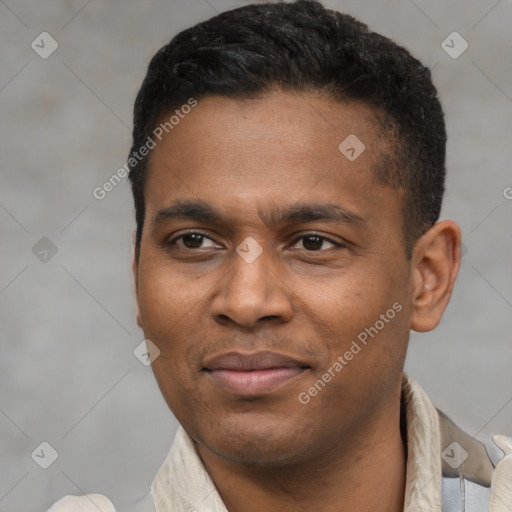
{"type": "Point", "coordinates": [243, 335]}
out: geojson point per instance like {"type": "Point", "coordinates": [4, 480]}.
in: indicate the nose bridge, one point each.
{"type": "Point", "coordinates": [248, 280]}
{"type": "Point", "coordinates": [251, 291]}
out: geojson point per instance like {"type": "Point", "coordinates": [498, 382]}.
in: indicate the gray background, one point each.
{"type": "Point", "coordinates": [68, 375]}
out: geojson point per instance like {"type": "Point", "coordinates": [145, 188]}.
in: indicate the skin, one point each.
{"type": "Point", "coordinates": [302, 297]}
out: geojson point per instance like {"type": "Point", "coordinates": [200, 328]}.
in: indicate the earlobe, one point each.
{"type": "Point", "coordinates": [436, 262]}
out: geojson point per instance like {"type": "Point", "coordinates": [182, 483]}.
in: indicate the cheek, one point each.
{"type": "Point", "coordinates": [167, 314]}
{"type": "Point", "coordinates": [163, 298]}
{"type": "Point", "coordinates": [174, 313]}
{"type": "Point", "coordinates": [349, 301]}
{"type": "Point", "coordinates": [366, 346]}
{"type": "Point", "coordinates": [362, 318]}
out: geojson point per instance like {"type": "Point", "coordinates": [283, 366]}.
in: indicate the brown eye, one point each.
{"type": "Point", "coordinates": [192, 240]}
{"type": "Point", "coordinates": [312, 242]}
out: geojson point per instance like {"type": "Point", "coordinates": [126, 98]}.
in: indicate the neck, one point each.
{"type": "Point", "coordinates": [366, 471]}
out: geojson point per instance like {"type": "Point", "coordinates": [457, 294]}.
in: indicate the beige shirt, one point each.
{"type": "Point", "coordinates": [183, 485]}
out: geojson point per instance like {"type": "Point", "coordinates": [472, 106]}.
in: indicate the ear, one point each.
{"type": "Point", "coordinates": [435, 264]}
{"type": "Point", "coordinates": [135, 273]}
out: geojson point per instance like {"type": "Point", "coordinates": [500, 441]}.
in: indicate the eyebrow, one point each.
{"type": "Point", "coordinates": [310, 212]}
{"type": "Point", "coordinates": [188, 210]}
{"type": "Point", "coordinates": [272, 217]}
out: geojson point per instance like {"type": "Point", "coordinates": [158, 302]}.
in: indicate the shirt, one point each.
{"type": "Point", "coordinates": [447, 471]}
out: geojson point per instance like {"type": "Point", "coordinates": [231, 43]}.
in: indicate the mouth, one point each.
{"type": "Point", "coordinates": [255, 374]}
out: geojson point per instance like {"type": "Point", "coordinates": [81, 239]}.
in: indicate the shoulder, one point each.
{"type": "Point", "coordinates": [87, 503]}
{"type": "Point", "coordinates": [470, 477]}
{"type": "Point", "coordinates": [99, 503]}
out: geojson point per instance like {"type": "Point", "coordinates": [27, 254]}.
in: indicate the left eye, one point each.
{"type": "Point", "coordinates": [314, 242]}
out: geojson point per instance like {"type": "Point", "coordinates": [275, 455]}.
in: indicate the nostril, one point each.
{"type": "Point", "coordinates": [269, 317]}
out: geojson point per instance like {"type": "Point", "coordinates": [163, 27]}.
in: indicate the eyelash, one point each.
{"type": "Point", "coordinates": [179, 237]}
{"type": "Point", "coordinates": [322, 238]}
{"type": "Point", "coordinates": [304, 235]}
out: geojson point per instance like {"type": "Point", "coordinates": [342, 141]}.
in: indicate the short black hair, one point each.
{"type": "Point", "coordinates": [302, 46]}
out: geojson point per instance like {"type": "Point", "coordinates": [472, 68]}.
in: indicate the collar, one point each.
{"type": "Point", "coordinates": [423, 482]}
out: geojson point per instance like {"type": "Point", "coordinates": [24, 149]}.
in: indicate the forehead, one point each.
{"type": "Point", "coordinates": [274, 149]}
{"type": "Point", "coordinates": [305, 125]}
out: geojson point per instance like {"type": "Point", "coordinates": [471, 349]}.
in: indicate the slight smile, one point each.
{"type": "Point", "coordinates": [256, 374]}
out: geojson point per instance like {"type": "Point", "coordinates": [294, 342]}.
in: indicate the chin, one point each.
{"type": "Point", "coordinates": [259, 453]}
{"type": "Point", "coordinates": [263, 444]}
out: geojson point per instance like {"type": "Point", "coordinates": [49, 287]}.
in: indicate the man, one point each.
{"type": "Point", "coordinates": [288, 171]}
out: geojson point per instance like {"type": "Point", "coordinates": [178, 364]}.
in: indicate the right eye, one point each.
{"type": "Point", "coordinates": [193, 240]}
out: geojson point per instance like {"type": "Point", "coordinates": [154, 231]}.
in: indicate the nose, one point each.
{"type": "Point", "coordinates": [251, 295]}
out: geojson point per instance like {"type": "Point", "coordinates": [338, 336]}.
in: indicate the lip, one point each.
{"type": "Point", "coordinates": [254, 374]}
